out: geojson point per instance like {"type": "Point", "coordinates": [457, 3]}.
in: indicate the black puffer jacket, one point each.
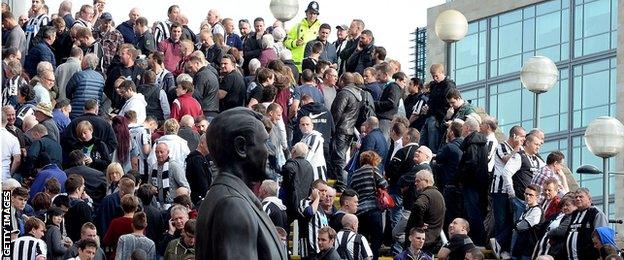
{"type": "Point", "coordinates": [346, 108]}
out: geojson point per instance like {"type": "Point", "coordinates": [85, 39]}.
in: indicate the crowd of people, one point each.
{"type": "Point", "coordinates": [110, 153]}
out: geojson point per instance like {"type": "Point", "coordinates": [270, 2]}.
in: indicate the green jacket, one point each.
{"type": "Point", "coordinates": [304, 31]}
{"type": "Point", "coordinates": [176, 250]}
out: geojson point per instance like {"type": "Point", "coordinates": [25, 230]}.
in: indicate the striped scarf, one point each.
{"type": "Point", "coordinates": [160, 179]}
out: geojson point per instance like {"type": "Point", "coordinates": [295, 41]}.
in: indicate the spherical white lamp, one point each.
{"type": "Point", "coordinates": [605, 137]}
{"type": "Point", "coordinates": [451, 26]}
{"type": "Point", "coordinates": [539, 74]}
{"type": "Point", "coordinates": [284, 10]}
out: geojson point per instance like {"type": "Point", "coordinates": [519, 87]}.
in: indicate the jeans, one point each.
{"type": "Point", "coordinates": [518, 206]}
{"type": "Point", "coordinates": [454, 205]}
{"type": "Point", "coordinates": [501, 211]}
{"type": "Point", "coordinates": [395, 216]}
{"type": "Point", "coordinates": [371, 226]}
{"type": "Point", "coordinates": [339, 145]}
{"type": "Point", "coordinates": [472, 206]}
{"type": "Point", "coordinates": [431, 134]}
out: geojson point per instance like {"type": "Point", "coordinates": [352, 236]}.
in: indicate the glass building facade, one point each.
{"type": "Point", "coordinates": [580, 37]}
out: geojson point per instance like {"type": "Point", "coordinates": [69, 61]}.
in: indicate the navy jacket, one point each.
{"type": "Point", "coordinates": [447, 163]}
{"type": "Point", "coordinates": [127, 31]}
{"type": "Point", "coordinates": [375, 141]}
{"type": "Point", "coordinates": [82, 86]}
{"type": "Point", "coordinates": [38, 53]}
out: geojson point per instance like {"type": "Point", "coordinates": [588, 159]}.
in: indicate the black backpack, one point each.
{"type": "Point", "coordinates": [367, 106]}
{"type": "Point", "coordinates": [342, 248]}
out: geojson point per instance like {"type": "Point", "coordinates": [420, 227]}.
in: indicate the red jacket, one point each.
{"type": "Point", "coordinates": [185, 105]}
{"type": "Point", "coordinates": [553, 208]}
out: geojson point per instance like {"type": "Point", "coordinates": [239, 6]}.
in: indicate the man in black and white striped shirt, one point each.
{"type": "Point", "coordinates": [30, 246]}
{"type": "Point", "coordinates": [499, 190]}
{"type": "Point", "coordinates": [162, 30]}
{"type": "Point", "coordinates": [38, 19]}
{"type": "Point", "coordinates": [85, 16]}
{"type": "Point", "coordinates": [313, 218]}
{"type": "Point", "coordinates": [349, 243]}
{"type": "Point", "coordinates": [314, 139]}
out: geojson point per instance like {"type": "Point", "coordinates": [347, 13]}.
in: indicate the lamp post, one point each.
{"type": "Point", "coordinates": [450, 26]}
{"type": "Point", "coordinates": [284, 10]}
{"type": "Point", "coordinates": [604, 138]}
{"type": "Point", "coordinates": [539, 74]}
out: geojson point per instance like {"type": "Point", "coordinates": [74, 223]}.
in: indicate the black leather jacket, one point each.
{"type": "Point", "coordinates": [345, 109]}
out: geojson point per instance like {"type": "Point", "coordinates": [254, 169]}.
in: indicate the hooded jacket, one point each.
{"type": "Point", "coordinates": [138, 104]}
{"type": "Point", "coordinates": [606, 235]}
{"type": "Point", "coordinates": [321, 118]}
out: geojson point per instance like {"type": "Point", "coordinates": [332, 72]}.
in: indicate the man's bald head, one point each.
{"type": "Point", "coordinates": [372, 122]}
{"type": "Point", "coordinates": [349, 221]}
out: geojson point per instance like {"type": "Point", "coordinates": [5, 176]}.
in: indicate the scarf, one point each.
{"type": "Point", "coordinates": [160, 178]}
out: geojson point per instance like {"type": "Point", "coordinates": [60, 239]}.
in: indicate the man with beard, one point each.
{"type": "Point", "coordinates": [88, 44]}
{"type": "Point", "coordinates": [127, 69]}
{"type": "Point", "coordinates": [362, 57]}
{"type": "Point", "coordinates": [241, 155]}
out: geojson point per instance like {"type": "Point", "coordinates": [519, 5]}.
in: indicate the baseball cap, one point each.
{"type": "Point", "coordinates": [342, 27]}
{"type": "Point", "coordinates": [106, 16]}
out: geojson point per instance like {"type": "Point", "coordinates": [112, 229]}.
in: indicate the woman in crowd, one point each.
{"type": "Point", "coordinates": [56, 243]}
{"type": "Point", "coordinates": [114, 172]}
{"type": "Point", "coordinates": [98, 156]}
{"type": "Point", "coordinates": [127, 151]}
{"type": "Point", "coordinates": [365, 182]}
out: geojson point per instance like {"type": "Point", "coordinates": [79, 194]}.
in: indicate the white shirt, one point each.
{"type": "Point", "coordinates": [10, 147]}
{"type": "Point", "coordinates": [137, 104]}
{"type": "Point", "coordinates": [511, 167]}
{"type": "Point", "coordinates": [178, 149]}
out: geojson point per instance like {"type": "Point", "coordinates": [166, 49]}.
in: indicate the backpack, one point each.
{"type": "Point", "coordinates": [342, 248]}
{"type": "Point", "coordinates": [367, 106]}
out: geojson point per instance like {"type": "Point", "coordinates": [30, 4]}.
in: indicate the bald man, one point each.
{"type": "Point", "coordinates": [167, 175]}
{"type": "Point", "coordinates": [314, 139]}
{"type": "Point", "coordinates": [351, 244]}
{"type": "Point", "coordinates": [459, 242]}
{"type": "Point", "coordinates": [127, 28]}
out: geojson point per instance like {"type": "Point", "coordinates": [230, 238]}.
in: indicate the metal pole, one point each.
{"type": "Point", "coordinates": [536, 110]}
{"type": "Point", "coordinates": [447, 46]}
{"type": "Point", "coordinates": [605, 186]}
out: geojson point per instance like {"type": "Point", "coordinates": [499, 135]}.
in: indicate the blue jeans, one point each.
{"type": "Point", "coordinates": [472, 209]}
{"type": "Point", "coordinates": [395, 217]}
{"type": "Point", "coordinates": [501, 212]}
{"type": "Point", "coordinates": [431, 135]}
{"type": "Point", "coordinates": [518, 206]}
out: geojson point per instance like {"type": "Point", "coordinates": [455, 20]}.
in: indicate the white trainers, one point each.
{"type": "Point", "coordinates": [505, 255]}
{"type": "Point", "coordinates": [495, 248]}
